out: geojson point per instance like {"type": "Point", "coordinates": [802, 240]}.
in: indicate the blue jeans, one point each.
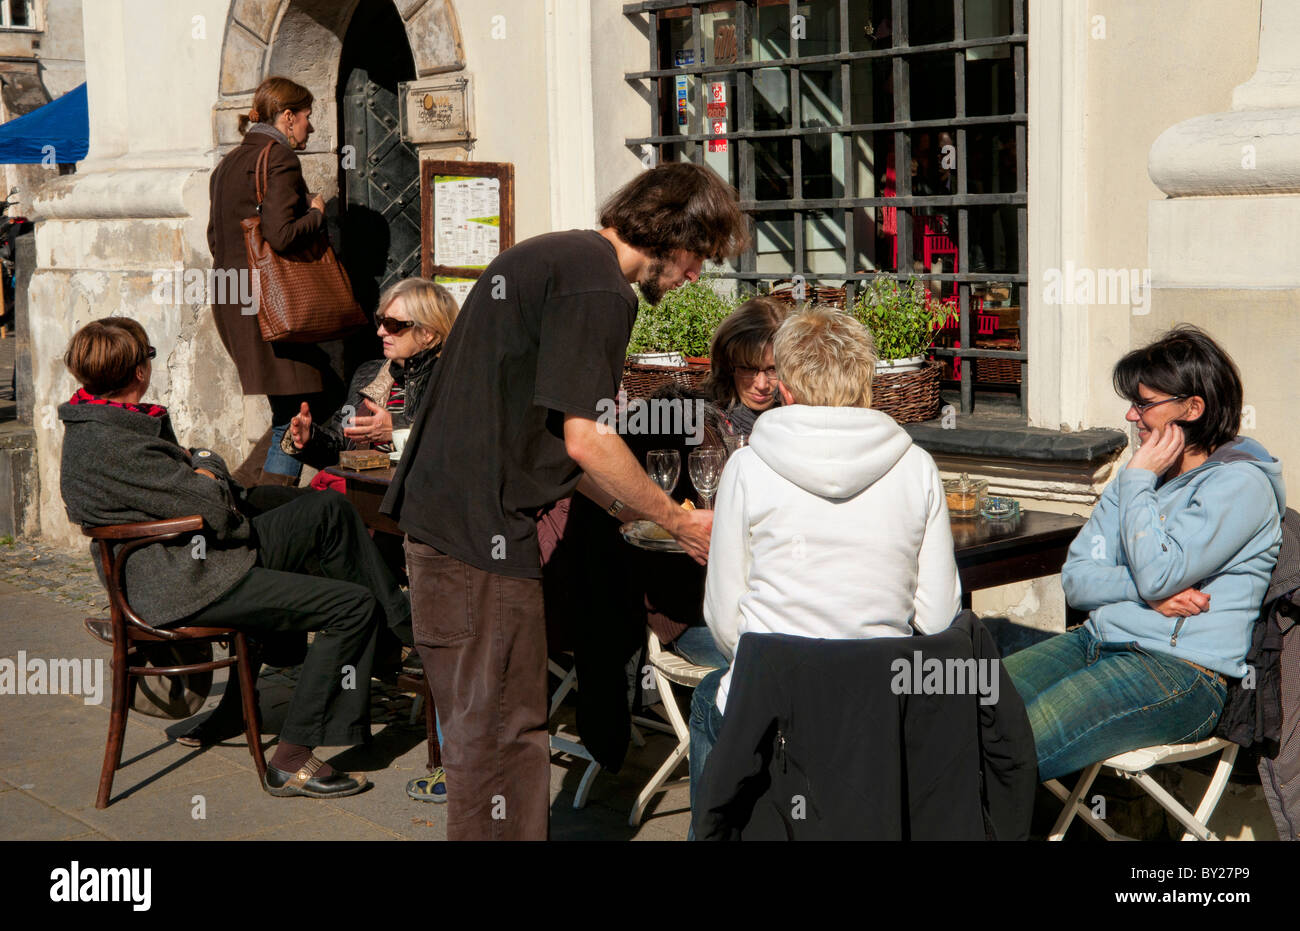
{"type": "Point", "coordinates": [283, 409]}
{"type": "Point", "coordinates": [1088, 700]}
{"type": "Point", "coordinates": [696, 645]}
{"type": "Point", "coordinates": [279, 462]}
{"type": "Point", "coordinates": [705, 724]}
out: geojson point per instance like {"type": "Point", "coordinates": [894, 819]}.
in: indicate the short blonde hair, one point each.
{"type": "Point", "coordinates": [430, 305]}
{"type": "Point", "coordinates": [825, 358]}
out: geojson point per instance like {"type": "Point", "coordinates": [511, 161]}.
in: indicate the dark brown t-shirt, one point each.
{"type": "Point", "coordinates": [542, 334]}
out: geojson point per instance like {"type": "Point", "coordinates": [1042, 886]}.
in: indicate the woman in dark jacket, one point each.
{"type": "Point", "coordinates": [414, 318]}
{"type": "Point", "coordinates": [121, 464]}
{"type": "Point", "coordinates": [284, 372]}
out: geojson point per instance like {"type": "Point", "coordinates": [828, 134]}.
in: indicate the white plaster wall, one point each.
{"type": "Point", "coordinates": [1161, 61]}
{"type": "Point", "coordinates": [510, 101]}
{"type": "Point", "coordinates": [136, 205]}
{"type": "Point", "coordinates": [63, 50]}
{"type": "Point", "coordinates": [619, 112]}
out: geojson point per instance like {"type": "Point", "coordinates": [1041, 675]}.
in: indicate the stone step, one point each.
{"type": "Point", "coordinates": [19, 482]}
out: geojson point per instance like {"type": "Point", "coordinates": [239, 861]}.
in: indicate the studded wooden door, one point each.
{"type": "Point", "coordinates": [381, 226]}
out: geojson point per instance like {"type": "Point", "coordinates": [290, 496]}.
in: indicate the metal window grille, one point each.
{"type": "Point", "coordinates": [801, 104]}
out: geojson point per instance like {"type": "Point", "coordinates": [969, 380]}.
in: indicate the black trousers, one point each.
{"type": "Point", "coordinates": [345, 605]}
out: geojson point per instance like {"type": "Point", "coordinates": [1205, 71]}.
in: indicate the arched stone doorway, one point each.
{"type": "Point", "coordinates": [304, 40]}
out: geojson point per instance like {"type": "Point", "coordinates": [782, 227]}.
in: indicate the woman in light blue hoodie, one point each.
{"type": "Point", "coordinates": [1172, 568]}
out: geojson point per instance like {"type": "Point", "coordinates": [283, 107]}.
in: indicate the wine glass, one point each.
{"type": "Point", "coordinates": [664, 466]}
{"type": "Point", "coordinates": [705, 467]}
{"type": "Point", "coordinates": [732, 438]}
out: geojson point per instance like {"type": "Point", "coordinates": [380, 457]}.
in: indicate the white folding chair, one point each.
{"type": "Point", "coordinates": [667, 669]}
{"type": "Point", "coordinates": [1133, 765]}
{"type": "Point", "coordinates": [562, 743]}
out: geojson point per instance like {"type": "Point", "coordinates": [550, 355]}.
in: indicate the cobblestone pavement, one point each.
{"type": "Point", "coordinates": [68, 578]}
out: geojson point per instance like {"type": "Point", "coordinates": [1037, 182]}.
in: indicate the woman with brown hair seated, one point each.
{"type": "Point", "coordinates": [122, 464]}
{"type": "Point", "coordinates": [742, 377]}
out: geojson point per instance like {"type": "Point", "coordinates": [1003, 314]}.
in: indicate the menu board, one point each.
{"type": "Point", "coordinates": [467, 219]}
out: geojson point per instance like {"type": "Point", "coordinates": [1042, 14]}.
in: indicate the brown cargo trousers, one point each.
{"type": "Point", "coordinates": [482, 639]}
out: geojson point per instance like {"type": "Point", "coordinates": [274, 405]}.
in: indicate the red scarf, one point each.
{"type": "Point", "coordinates": [85, 397]}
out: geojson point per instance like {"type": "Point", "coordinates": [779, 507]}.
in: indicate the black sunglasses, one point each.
{"type": "Point", "coordinates": [393, 325]}
{"type": "Point", "coordinates": [152, 353]}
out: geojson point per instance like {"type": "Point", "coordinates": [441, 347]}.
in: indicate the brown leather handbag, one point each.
{"type": "Point", "coordinates": [302, 296]}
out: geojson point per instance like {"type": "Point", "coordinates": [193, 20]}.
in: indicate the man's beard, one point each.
{"type": "Point", "coordinates": [651, 284]}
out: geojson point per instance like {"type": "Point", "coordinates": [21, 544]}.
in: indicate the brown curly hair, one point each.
{"type": "Point", "coordinates": [678, 206]}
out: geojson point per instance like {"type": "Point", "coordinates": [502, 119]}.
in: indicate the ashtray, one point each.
{"type": "Point", "coordinates": [999, 508]}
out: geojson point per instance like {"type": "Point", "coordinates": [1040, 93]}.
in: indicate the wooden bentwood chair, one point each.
{"type": "Point", "coordinates": [125, 628]}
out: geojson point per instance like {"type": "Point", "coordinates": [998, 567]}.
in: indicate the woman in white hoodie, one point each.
{"type": "Point", "coordinates": [830, 524]}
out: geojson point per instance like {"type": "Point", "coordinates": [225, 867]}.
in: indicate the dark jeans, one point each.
{"type": "Point", "coordinates": [482, 639]}
{"type": "Point", "coordinates": [705, 725]}
{"type": "Point", "coordinates": [345, 605]}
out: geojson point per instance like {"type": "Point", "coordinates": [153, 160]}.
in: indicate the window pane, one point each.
{"type": "Point", "coordinates": [986, 19]}
{"type": "Point", "coordinates": [771, 98]}
{"type": "Point", "coordinates": [773, 169]}
{"type": "Point", "coordinates": [774, 243]}
{"type": "Point", "coordinates": [820, 90]}
{"type": "Point", "coordinates": [994, 239]}
{"type": "Point", "coordinates": [932, 87]}
{"type": "Point", "coordinates": [990, 81]}
{"type": "Point", "coordinates": [823, 237]}
{"type": "Point", "coordinates": [929, 21]}
{"type": "Point", "coordinates": [866, 21]}
{"type": "Point", "coordinates": [991, 159]}
{"type": "Point", "coordinates": [823, 166]}
{"type": "Point", "coordinates": [821, 35]}
{"type": "Point", "coordinates": [771, 33]}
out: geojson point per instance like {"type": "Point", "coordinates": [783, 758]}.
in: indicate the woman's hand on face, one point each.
{"type": "Point", "coordinates": [376, 428]}
{"type": "Point", "coordinates": [1186, 603]}
{"type": "Point", "coordinates": [300, 426]}
{"type": "Point", "coordinates": [1161, 450]}
{"type": "Point", "coordinates": [317, 202]}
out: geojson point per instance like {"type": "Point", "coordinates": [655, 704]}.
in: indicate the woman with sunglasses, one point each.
{"type": "Point", "coordinates": [1172, 568]}
{"type": "Point", "coordinates": [414, 318]}
{"type": "Point", "coordinates": [742, 380]}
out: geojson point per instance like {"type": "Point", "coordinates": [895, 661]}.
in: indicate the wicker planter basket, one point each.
{"type": "Point", "coordinates": [641, 381]}
{"type": "Point", "coordinates": [783, 291]}
{"type": "Point", "coordinates": [908, 397]}
{"type": "Point", "coordinates": [998, 371]}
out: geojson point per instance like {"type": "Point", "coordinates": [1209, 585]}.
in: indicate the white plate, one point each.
{"type": "Point", "coordinates": [648, 535]}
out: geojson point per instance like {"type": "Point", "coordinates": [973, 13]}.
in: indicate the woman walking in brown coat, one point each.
{"type": "Point", "coordinates": [287, 373]}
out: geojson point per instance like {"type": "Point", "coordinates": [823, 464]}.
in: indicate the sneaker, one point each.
{"type": "Point", "coordinates": [430, 788]}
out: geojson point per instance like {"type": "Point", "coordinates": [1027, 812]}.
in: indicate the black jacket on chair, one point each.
{"type": "Point", "coordinates": [818, 744]}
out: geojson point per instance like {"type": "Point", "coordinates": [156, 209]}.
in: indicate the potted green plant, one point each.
{"type": "Point", "coordinates": [681, 325]}
{"type": "Point", "coordinates": [903, 318]}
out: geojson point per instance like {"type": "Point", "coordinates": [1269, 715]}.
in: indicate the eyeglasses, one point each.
{"type": "Point", "coordinates": [1143, 408]}
{"type": "Point", "coordinates": [393, 325]}
{"type": "Point", "coordinates": [151, 353]}
{"type": "Point", "coordinates": [749, 374]}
